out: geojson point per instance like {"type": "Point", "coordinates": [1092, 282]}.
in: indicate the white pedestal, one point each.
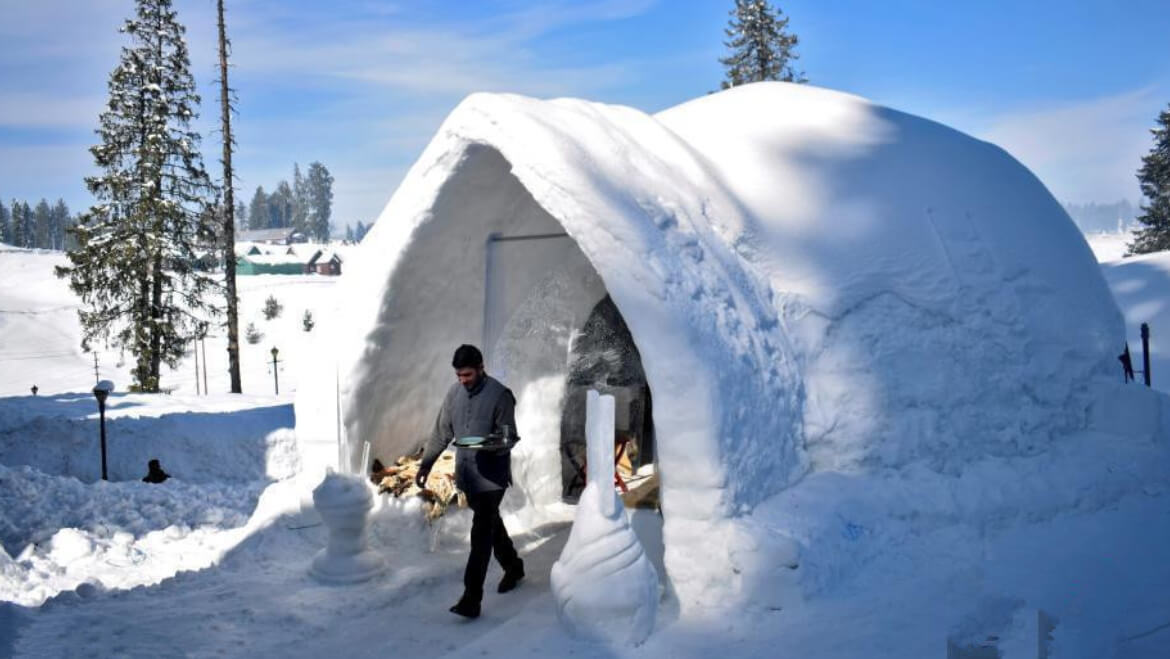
{"type": "Point", "coordinates": [343, 501]}
{"type": "Point", "coordinates": [604, 585]}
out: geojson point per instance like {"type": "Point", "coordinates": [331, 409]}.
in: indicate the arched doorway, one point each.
{"type": "Point", "coordinates": [603, 357]}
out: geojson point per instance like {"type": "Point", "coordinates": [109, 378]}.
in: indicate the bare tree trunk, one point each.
{"type": "Point", "coordinates": [156, 319]}
{"type": "Point", "coordinates": [229, 209]}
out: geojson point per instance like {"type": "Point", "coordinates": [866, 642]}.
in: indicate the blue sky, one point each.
{"type": "Point", "coordinates": [1069, 88]}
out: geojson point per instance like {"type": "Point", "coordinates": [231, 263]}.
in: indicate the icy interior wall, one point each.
{"type": "Point", "coordinates": [493, 269]}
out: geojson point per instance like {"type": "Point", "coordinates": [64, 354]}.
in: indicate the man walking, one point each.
{"type": "Point", "coordinates": [477, 406]}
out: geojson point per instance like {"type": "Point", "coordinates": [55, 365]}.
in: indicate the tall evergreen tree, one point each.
{"type": "Point", "coordinates": [300, 201]}
{"type": "Point", "coordinates": [230, 208]}
{"type": "Point", "coordinates": [258, 210]}
{"type": "Point", "coordinates": [761, 48]}
{"type": "Point", "coordinates": [29, 222]}
{"type": "Point", "coordinates": [241, 215]}
{"type": "Point", "coordinates": [70, 242]}
{"type": "Point", "coordinates": [21, 228]}
{"type": "Point", "coordinates": [42, 225]}
{"type": "Point", "coordinates": [320, 184]}
{"type": "Point", "coordinates": [1154, 177]}
{"type": "Point", "coordinates": [60, 221]}
{"type": "Point", "coordinates": [136, 263]}
{"type": "Point", "coordinates": [280, 206]}
{"type": "Point", "coordinates": [4, 224]}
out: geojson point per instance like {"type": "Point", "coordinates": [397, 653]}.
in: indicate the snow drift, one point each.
{"type": "Point", "coordinates": [814, 283]}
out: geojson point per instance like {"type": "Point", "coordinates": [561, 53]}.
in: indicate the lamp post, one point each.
{"type": "Point", "coordinates": [275, 377]}
{"type": "Point", "coordinates": [101, 392]}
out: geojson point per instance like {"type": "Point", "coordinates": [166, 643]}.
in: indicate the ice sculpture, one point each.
{"type": "Point", "coordinates": [604, 584]}
{"type": "Point", "coordinates": [343, 502]}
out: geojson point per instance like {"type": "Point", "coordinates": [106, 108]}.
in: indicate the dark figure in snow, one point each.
{"type": "Point", "coordinates": [154, 473]}
{"type": "Point", "coordinates": [478, 406]}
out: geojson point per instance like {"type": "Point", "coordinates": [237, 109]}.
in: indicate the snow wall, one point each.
{"type": "Point", "coordinates": [814, 282]}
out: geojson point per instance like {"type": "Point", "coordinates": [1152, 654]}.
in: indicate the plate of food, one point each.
{"type": "Point", "coordinates": [470, 441]}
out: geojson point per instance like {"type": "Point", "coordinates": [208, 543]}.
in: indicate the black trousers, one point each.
{"type": "Point", "coordinates": [488, 536]}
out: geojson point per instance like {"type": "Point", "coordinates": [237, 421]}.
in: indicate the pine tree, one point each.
{"type": "Point", "coordinates": [760, 47]}
{"type": "Point", "coordinates": [320, 184]}
{"type": "Point", "coordinates": [1154, 177]}
{"type": "Point", "coordinates": [252, 335]}
{"type": "Point", "coordinates": [4, 224]}
{"type": "Point", "coordinates": [230, 209]}
{"type": "Point", "coordinates": [135, 265]}
{"type": "Point", "coordinates": [349, 234]}
{"type": "Point", "coordinates": [60, 221]}
{"type": "Point", "coordinates": [241, 215]}
{"type": "Point", "coordinates": [18, 227]}
{"type": "Point", "coordinates": [42, 225]}
{"type": "Point", "coordinates": [272, 308]}
{"type": "Point", "coordinates": [280, 206]}
{"type": "Point", "coordinates": [300, 201]}
{"type": "Point", "coordinates": [258, 210]}
{"type": "Point", "coordinates": [28, 225]}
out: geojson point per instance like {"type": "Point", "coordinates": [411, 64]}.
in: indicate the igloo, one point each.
{"type": "Point", "coordinates": [811, 281]}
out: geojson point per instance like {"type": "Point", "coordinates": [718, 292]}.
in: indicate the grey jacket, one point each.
{"type": "Point", "coordinates": [476, 413]}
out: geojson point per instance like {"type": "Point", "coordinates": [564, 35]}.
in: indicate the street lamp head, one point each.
{"type": "Point", "coordinates": [274, 351]}
{"type": "Point", "coordinates": [102, 390]}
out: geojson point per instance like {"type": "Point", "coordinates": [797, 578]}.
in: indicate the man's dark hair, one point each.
{"type": "Point", "coordinates": [467, 357]}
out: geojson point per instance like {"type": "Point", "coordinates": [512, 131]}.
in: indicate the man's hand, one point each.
{"type": "Point", "coordinates": [420, 479]}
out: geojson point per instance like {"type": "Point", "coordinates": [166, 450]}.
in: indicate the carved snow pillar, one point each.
{"type": "Point", "coordinates": [343, 502]}
{"type": "Point", "coordinates": [604, 584]}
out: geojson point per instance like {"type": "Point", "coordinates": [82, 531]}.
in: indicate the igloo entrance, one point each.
{"type": "Point", "coordinates": [604, 357]}
{"type": "Point", "coordinates": [490, 267]}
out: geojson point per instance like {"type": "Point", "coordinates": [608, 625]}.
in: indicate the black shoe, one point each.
{"type": "Point", "coordinates": [512, 578]}
{"type": "Point", "coordinates": [466, 607]}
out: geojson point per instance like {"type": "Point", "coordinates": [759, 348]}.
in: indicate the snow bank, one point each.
{"type": "Point", "coordinates": [1140, 284]}
{"type": "Point", "coordinates": [196, 439]}
{"type": "Point", "coordinates": [58, 532]}
{"type": "Point", "coordinates": [815, 284]}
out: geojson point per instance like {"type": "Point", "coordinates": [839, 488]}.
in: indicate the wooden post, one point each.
{"type": "Point", "coordinates": [195, 349]}
{"type": "Point", "coordinates": [1146, 352]}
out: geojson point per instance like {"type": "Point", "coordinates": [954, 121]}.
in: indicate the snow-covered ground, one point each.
{"type": "Point", "coordinates": [41, 344]}
{"type": "Point", "coordinates": [214, 562]}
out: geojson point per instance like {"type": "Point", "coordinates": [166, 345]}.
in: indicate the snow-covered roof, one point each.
{"type": "Point", "coordinates": [813, 282]}
{"type": "Point", "coordinates": [266, 235]}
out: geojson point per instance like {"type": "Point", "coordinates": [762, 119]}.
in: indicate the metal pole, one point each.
{"type": "Point", "coordinates": [275, 377]}
{"type": "Point", "coordinates": [1146, 352]}
{"type": "Point", "coordinates": [203, 342]}
{"type": "Point", "coordinates": [102, 413]}
{"type": "Point", "coordinates": [196, 351]}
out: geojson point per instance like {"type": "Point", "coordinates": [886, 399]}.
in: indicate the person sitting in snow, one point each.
{"type": "Point", "coordinates": [477, 406]}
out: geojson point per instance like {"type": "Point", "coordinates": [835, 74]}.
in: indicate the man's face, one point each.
{"type": "Point", "coordinates": [469, 377]}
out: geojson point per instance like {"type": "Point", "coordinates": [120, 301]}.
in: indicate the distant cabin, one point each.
{"type": "Point", "coordinates": [324, 262]}
{"type": "Point", "coordinates": [279, 236]}
{"type": "Point", "coordinates": [279, 259]}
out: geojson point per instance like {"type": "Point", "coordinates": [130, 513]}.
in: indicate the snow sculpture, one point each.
{"type": "Point", "coordinates": [604, 584]}
{"type": "Point", "coordinates": [343, 502]}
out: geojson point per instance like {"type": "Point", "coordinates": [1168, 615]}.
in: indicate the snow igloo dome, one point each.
{"type": "Point", "coordinates": [798, 279]}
